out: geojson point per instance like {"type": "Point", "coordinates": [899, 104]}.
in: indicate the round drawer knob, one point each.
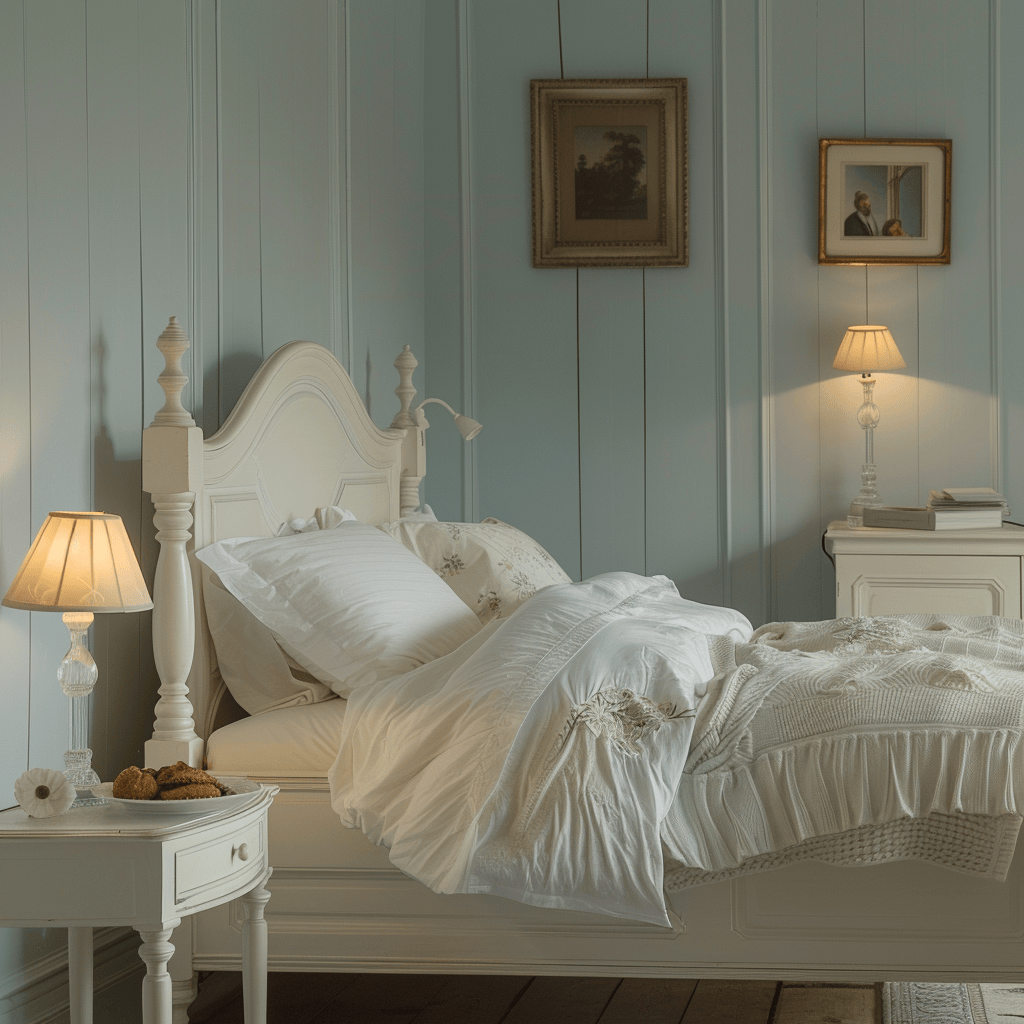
{"type": "Point", "coordinates": [242, 851]}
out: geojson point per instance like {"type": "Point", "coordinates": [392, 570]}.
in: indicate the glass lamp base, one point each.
{"type": "Point", "coordinates": [86, 799]}
{"type": "Point", "coordinates": [78, 771]}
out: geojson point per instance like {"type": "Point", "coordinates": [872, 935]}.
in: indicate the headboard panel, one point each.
{"type": "Point", "coordinates": [299, 438]}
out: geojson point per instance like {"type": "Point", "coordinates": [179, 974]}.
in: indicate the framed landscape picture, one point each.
{"type": "Point", "coordinates": [884, 200]}
{"type": "Point", "coordinates": [609, 172]}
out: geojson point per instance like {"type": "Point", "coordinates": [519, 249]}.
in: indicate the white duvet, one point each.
{"type": "Point", "coordinates": [541, 760]}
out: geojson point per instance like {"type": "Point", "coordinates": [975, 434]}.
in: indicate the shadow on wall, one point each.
{"type": "Point", "coordinates": [126, 691]}
{"type": "Point", "coordinates": [228, 382]}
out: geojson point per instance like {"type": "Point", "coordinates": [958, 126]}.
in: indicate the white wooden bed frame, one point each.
{"type": "Point", "coordinates": [300, 438]}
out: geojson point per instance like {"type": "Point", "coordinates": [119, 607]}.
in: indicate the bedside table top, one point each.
{"type": "Point", "coordinates": [841, 538]}
{"type": "Point", "coordinates": [104, 820]}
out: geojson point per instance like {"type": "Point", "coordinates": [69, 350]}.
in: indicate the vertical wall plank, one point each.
{"type": "Point", "coordinates": [1008, 29]}
{"type": "Point", "coordinates": [955, 301]}
{"type": "Point", "coordinates": [793, 281]}
{"type": "Point", "coordinates": [444, 105]}
{"type": "Point", "coordinates": [204, 219]}
{"type": "Point", "coordinates": [165, 169]}
{"type": "Point", "coordinates": [16, 524]}
{"type": "Point", "coordinates": [241, 311]}
{"type": "Point", "coordinates": [115, 307]}
{"type": "Point", "coordinates": [386, 189]}
{"type": "Point", "coordinates": [683, 320]}
{"type": "Point", "coordinates": [608, 39]}
{"type": "Point", "coordinates": [295, 173]}
{"type": "Point", "coordinates": [525, 319]}
{"type": "Point", "coordinates": [59, 326]}
{"type": "Point", "coordinates": [746, 215]}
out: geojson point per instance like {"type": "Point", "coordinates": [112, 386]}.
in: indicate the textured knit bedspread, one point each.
{"type": "Point", "coordinates": [855, 741]}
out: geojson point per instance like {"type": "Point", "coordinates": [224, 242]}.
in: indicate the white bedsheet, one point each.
{"type": "Point", "coordinates": [300, 741]}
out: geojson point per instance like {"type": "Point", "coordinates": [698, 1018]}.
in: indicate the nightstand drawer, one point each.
{"type": "Point", "coordinates": [224, 859]}
{"type": "Point", "coordinates": [939, 584]}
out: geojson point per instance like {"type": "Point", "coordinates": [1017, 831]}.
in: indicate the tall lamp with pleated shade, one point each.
{"type": "Point", "coordinates": [79, 563]}
{"type": "Point", "coordinates": [866, 348]}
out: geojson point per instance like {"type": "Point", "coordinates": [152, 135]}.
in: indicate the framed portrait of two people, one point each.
{"type": "Point", "coordinates": [884, 201]}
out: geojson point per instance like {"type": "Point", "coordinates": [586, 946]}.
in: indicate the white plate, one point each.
{"type": "Point", "coordinates": [244, 792]}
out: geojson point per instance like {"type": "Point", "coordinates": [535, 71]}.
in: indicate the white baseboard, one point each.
{"type": "Point", "coordinates": [38, 993]}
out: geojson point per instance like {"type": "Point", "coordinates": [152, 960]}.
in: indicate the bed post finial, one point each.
{"type": "Point", "coordinates": [414, 459]}
{"type": "Point", "coordinates": [405, 364]}
{"type": "Point", "coordinates": [173, 343]}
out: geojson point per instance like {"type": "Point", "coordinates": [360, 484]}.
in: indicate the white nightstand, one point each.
{"type": "Point", "coordinates": [951, 572]}
{"type": "Point", "coordinates": [106, 865]}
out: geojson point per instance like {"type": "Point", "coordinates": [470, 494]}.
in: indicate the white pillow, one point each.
{"type": "Point", "coordinates": [349, 604]}
{"type": "Point", "coordinates": [258, 674]}
{"type": "Point", "coordinates": [492, 566]}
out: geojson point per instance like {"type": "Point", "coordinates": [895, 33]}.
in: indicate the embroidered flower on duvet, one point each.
{"type": "Point", "coordinates": [624, 717]}
{"type": "Point", "coordinates": [451, 565]}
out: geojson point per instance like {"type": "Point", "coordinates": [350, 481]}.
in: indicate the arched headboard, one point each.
{"type": "Point", "coordinates": [299, 438]}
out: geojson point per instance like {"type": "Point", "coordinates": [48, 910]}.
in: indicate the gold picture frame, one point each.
{"type": "Point", "coordinates": [610, 174]}
{"type": "Point", "coordinates": [884, 201]}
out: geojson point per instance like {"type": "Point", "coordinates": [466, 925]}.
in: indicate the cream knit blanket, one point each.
{"type": "Point", "coordinates": [855, 741]}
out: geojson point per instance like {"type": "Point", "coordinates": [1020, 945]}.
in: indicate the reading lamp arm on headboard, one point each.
{"type": "Point", "coordinates": [414, 423]}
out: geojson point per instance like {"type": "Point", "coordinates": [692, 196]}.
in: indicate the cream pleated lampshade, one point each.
{"type": "Point", "coordinates": [868, 347]}
{"type": "Point", "coordinates": [80, 562]}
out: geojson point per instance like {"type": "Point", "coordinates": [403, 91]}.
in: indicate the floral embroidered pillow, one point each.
{"type": "Point", "coordinates": [492, 566]}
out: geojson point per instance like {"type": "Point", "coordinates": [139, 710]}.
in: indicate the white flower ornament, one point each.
{"type": "Point", "coordinates": [44, 792]}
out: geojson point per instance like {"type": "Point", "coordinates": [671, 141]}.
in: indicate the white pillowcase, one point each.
{"type": "Point", "coordinates": [492, 566]}
{"type": "Point", "coordinates": [349, 604]}
{"type": "Point", "coordinates": [257, 673]}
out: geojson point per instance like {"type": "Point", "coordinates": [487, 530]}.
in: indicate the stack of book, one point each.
{"type": "Point", "coordinates": [955, 508]}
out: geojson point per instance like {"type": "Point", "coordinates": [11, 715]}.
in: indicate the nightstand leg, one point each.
{"type": "Point", "coordinates": [80, 974]}
{"type": "Point", "coordinates": [156, 950]}
{"type": "Point", "coordinates": [254, 955]}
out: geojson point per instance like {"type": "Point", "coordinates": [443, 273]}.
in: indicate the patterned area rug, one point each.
{"type": "Point", "coordinates": [917, 1002]}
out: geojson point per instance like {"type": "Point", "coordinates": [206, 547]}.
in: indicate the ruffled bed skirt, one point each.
{"type": "Point", "coordinates": [904, 751]}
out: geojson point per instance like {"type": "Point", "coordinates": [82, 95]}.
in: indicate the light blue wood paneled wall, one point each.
{"type": "Point", "coordinates": [611, 398]}
{"type": "Point", "coordinates": [688, 421]}
{"type": "Point", "coordinates": [255, 168]}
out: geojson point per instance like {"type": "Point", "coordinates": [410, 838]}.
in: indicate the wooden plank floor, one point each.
{"type": "Point", "coordinates": [482, 999]}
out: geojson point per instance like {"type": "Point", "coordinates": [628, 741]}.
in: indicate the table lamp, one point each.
{"type": "Point", "coordinates": [79, 563]}
{"type": "Point", "coordinates": [865, 348]}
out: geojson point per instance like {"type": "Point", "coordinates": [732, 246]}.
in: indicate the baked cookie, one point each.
{"type": "Point", "coordinates": [182, 774]}
{"type": "Point", "coordinates": [190, 791]}
{"type": "Point", "coordinates": [136, 784]}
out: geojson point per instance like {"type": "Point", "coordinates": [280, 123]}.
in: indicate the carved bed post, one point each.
{"type": "Point", "coordinates": [171, 460]}
{"type": "Point", "coordinates": [414, 450]}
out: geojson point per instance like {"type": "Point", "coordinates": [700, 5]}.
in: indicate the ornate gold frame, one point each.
{"type": "Point", "coordinates": [560, 238]}
{"type": "Point", "coordinates": [834, 248]}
